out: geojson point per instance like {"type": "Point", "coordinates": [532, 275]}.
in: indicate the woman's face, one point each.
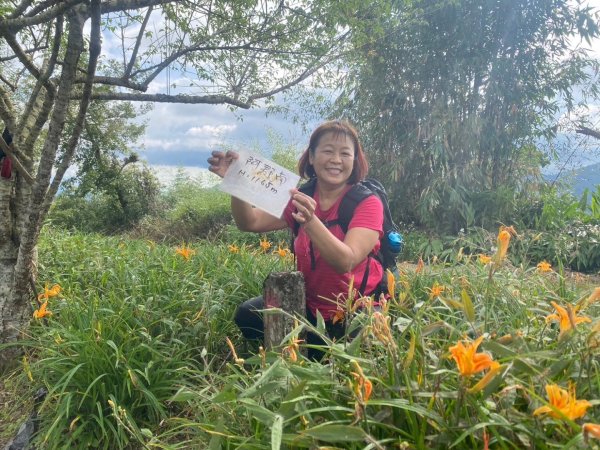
{"type": "Point", "coordinates": [333, 159]}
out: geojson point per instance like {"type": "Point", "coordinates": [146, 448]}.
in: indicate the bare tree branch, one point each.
{"type": "Point", "coordinates": [21, 8]}
{"type": "Point", "coordinates": [29, 50]}
{"type": "Point", "coordinates": [44, 78]}
{"type": "Point", "coordinates": [164, 98]}
{"type": "Point", "coordinates": [20, 54]}
{"type": "Point", "coordinates": [138, 42]}
{"type": "Point", "coordinates": [588, 132]}
{"type": "Point", "coordinates": [59, 7]}
{"type": "Point", "coordinates": [8, 83]}
{"type": "Point", "coordinates": [95, 48]}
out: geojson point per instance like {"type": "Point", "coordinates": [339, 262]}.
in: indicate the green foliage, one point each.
{"type": "Point", "coordinates": [187, 210]}
{"type": "Point", "coordinates": [118, 203]}
{"type": "Point", "coordinates": [452, 101]}
{"type": "Point", "coordinates": [127, 305]}
{"type": "Point", "coordinates": [135, 325]}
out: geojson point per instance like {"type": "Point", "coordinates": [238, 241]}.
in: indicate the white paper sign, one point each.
{"type": "Point", "coordinates": [260, 182]}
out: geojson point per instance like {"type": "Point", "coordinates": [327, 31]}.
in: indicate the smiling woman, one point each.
{"type": "Point", "coordinates": [329, 257]}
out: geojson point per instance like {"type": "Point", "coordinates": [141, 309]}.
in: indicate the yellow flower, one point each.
{"type": "Point", "coordinates": [391, 283]}
{"type": "Point", "coordinates": [544, 266]}
{"type": "Point", "coordinates": [436, 290]}
{"type": "Point", "coordinates": [362, 386]}
{"type": "Point", "coordinates": [567, 317]}
{"type": "Point", "coordinates": [504, 236]}
{"type": "Point", "coordinates": [591, 429]}
{"type": "Point", "coordinates": [485, 259]}
{"type": "Point", "coordinates": [186, 252]}
{"type": "Point", "coordinates": [265, 244]}
{"type": "Point", "coordinates": [42, 312]}
{"type": "Point", "coordinates": [468, 361]}
{"type": "Point", "coordinates": [562, 403]}
{"type": "Point", "coordinates": [52, 292]}
{"type": "Point", "coordinates": [282, 252]}
{"type": "Point", "coordinates": [233, 248]}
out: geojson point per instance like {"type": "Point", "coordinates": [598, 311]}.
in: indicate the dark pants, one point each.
{"type": "Point", "coordinates": [250, 322]}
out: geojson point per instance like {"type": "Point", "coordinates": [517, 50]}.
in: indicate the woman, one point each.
{"type": "Point", "coordinates": [328, 258]}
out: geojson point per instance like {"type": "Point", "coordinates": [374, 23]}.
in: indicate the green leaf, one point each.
{"type": "Point", "coordinates": [258, 412]}
{"type": "Point", "coordinates": [276, 432]}
{"type": "Point", "coordinates": [336, 433]}
{"type": "Point", "coordinates": [405, 405]}
{"type": "Point", "coordinates": [468, 306]}
{"type": "Point", "coordinates": [224, 397]}
{"type": "Point", "coordinates": [183, 395]}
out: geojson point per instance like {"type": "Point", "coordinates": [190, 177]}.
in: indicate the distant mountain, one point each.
{"type": "Point", "coordinates": [580, 179]}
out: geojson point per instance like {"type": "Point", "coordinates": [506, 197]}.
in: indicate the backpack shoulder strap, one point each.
{"type": "Point", "coordinates": [353, 197]}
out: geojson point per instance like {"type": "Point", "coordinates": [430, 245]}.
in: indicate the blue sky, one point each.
{"type": "Point", "coordinates": [182, 136]}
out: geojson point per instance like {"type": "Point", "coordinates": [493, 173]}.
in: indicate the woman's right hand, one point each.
{"type": "Point", "coordinates": [219, 162]}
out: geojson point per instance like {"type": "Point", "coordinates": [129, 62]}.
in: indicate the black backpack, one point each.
{"type": "Point", "coordinates": [391, 241]}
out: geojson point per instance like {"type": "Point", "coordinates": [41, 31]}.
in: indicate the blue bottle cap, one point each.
{"type": "Point", "coordinates": [395, 241]}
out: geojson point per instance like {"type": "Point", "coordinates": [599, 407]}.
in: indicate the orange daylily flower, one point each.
{"type": "Point", "coordinates": [485, 259]}
{"type": "Point", "coordinates": [567, 317]}
{"type": "Point", "coordinates": [338, 316]}
{"type": "Point", "coordinates": [52, 292]}
{"type": "Point", "coordinates": [42, 312]}
{"type": "Point", "coordinates": [362, 386]}
{"type": "Point", "coordinates": [544, 266]}
{"type": "Point", "coordinates": [265, 244]}
{"type": "Point", "coordinates": [362, 302]}
{"type": "Point", "coordinates": [186, 252]}
{"type": "Point", "coordinates": [594, 297]}
{"type": "Point", "coordinates": [282, 252]}
{"type": "Point", "coordinates": [239, 361]}
{"type": "Point", "coordinates": [468, 361]}
{"type": "Point", "coordinates": [233, 248]}
{"type": "Point", "coordinates": [420, 265]}
{"type": "Point", "coordinates": [291, 350]}
{"type": "Point", "coordinates": [436, 290]}
{"type": "Point", "coordinates": [503, 240]}
{"type": "Point", "coordinates": [381, 329]}
{"type": "Point", "coordinates": [487, 378]}
{"type": "Point", "coordinates": [391, 283]}
{"type": "Point", "coordinates": [563, 403]}
{"type": "Point", "coordinates": [591, 430]}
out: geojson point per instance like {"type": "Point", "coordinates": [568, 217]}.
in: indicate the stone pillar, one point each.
{"type": "Point", "coordinates": [283, 290]}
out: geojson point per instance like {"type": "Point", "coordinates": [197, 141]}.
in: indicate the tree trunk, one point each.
{"type": "Point", "coordinates": [15, 309]}
{"type": "Point", "coordinates": [24, 204]}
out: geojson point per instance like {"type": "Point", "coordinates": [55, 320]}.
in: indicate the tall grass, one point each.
{"type": "Point", "coordinates": [134, 356]}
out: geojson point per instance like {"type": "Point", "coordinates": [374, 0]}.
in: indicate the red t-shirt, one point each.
{"type": "Point", "coordinates": [325, 288]}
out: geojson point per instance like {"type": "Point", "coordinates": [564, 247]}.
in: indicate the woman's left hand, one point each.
{"type": "Point", "coordinates": [305, 207]}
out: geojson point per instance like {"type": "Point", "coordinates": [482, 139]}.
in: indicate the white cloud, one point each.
{"type": "Point", "coordinates": [210, 130]}
{"type": "Point", "coordinates": [163, 144]}
{"type": "Point", "coordinates": [166, 174]}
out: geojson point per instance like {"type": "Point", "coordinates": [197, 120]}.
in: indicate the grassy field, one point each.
{"type": "Point", "coordinates": [135, 354]}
